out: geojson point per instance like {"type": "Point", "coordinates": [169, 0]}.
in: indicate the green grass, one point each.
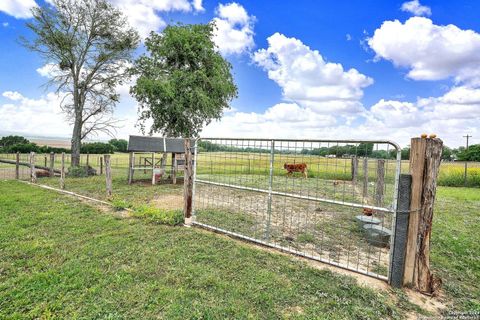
{"type": "Point", "coordinates": [60, 258]}
{"type": "Point", "coordinates": [455, 245]}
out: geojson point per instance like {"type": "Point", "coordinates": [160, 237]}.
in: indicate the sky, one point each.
{"type": "Point", "coordinates": [370, 69]}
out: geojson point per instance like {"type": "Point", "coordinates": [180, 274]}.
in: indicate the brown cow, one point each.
{"type": "Point", "coordinates": [299, 167]}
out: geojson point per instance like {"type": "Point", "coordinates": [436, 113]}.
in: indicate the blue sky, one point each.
{"type": "Point", "coordinates": [312, 69]}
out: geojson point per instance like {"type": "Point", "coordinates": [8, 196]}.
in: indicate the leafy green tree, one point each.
{"type": "Point", "coordinates": [470, 154]}
{"type": "Point", "coordinates": [183, 83]}
{"type": "Point", "coordinates": [119, 144]}
{"type": "Point", "coordinates": [8, 141]}
{"type": "Point", "coordinates": [89, 45]}
{"type": "Point", "coordinates": [97, 148]}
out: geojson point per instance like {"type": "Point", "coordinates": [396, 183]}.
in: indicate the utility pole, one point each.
{"type": "Point", "coordinates": [466, 163]}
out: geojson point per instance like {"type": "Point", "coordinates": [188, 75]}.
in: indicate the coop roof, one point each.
{"type": "Point", "coordinates": [156, 144]}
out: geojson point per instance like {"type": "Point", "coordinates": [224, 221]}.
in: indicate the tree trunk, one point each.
{"type": "Point", "coordinates": [76, 140]}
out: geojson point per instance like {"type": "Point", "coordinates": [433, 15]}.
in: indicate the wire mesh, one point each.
{"type": "Point", "coordinates": [332, 201]}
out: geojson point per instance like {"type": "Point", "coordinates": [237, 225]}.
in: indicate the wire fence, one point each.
{"type": "Point", "coordinates": [333, 201]}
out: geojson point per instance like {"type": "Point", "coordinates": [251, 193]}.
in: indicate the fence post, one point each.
{"type": "Point", "coordinates": [33, 173]}
{"type": "Point", "coordinates": [425, 157]}
{"type": "Point", "coordinates": [270, 188]}
{"type": "Point", "coordinates": [88, 159]}
{"type": "Point", "coordinates": [174, 171]}
{"type": "Point", "coordinates": [62, 172]}
{"type": "Point", "coordinates": [380, 185]}
{"type": "Point", "coordinates": [45, 157]}
{"type": "Point", "coordinates": [188, 183]}
{"type": "Point", "coordinates": [108, 174]}
{"type": "Point", "coordinates": [52, 163]}
{"type": "Point", "coordinates": [130, 165]}
{"type": "Point", "coordinates": [365, 177]}
{"type": "Point", "coordinates": [397, 262]}
{"type": "Point", "coordinates": [101, 165]}
{"type": "Point", "coordinates": [354, 169]}
{"type": "Point", "coordinates": [17, 166]}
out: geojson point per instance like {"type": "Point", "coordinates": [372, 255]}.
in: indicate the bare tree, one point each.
{"type": "Point", "coordinates": [88, 45]}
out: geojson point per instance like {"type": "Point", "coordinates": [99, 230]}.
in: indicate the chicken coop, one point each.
{"type": "Point", "coordinates": [152, 154]}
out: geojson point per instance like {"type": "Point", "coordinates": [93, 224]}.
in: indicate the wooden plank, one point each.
{"type": "Point", "coordinates": [62, 172]}
{"type": "Point", "coordinates": [188, 183]}
{"type": "Point", "coordinates": [33, 173]}
{"type": "Point", "coordinates": [417, 166]}
{"type": "Point", "coordinates": [17, 166]}
{"type": "Point", "coordinates": [426, 283]}
{"type": "Point", "coordinates": [51, 173]}
{"type": "Point", "coordinates": [108, 174]}
{"type": "Point", "coordinates": [354, 169]}
{"type": "Point", "coordinates": [365, 178]}
{"type": "Point", "coordinates": [380, 183]}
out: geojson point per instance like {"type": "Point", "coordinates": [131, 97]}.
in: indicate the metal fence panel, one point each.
{"type": "Point", "coordinates": [329, 200]}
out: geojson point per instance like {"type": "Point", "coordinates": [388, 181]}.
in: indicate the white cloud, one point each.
{"type": "Point", "coordinates": [415, 8]}
{"type": "Point", "coordinates": [20, 9]}
{"type": "Point", "coordinates": [5, 24]}
{"type": "Point", "coordinates": [429, 51]}
{"type": "Point", "coordinates": [234, 34]}
{"type": "Point", "coordinates": [306, 78]}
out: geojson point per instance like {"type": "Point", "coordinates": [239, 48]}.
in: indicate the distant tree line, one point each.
{"type": "Point", "coordinates": [13, 144]}
{"type": "Point", "coordinates": [360, 150]}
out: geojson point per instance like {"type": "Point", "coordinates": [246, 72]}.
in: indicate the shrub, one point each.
{"type": "Point", "coordinates": [97, 148]}
{"type": "Point", "coordinates": [81, 171]}
{"type": "Point", "coordinates": [23, 148]}
{"type": "Point", "coordinates": [13, 140]}
{"type": "Point", "coordinates": [162, 216]}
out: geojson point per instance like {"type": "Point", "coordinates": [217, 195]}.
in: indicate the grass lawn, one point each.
{"type": "Point", "coordinates": [455, 254]}
{"type": "Point", "coordinates": [61, 258]}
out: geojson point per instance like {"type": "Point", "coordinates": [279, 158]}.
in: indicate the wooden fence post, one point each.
{"type": "Point", "coordinates": [52, 163]}
{"type": "Point", "coordinates": [33, 173]}
{"type": "Point", "coordinates": [380, 185]}
{"type": "Point", "coordinates": [130, 165]}
{"type": "Point", "coordinates": [62, 172]}
{"type": "Point", "coordinates": [188, 183]}
{"type": "Point", "coordinates": [45, 157]}
{"type": "Point", "coordinates": [425, 157]}
{"type": "Point", "coordinates": [101, 165]}
{"type": "Point", "coordinates": [174, 169]}
{"type": "Point", "coordinates": [365, 178]}
{"type": "Point", "coordinates": [88, 159]}
{"type": "Point", "coordinates": [108, 174]}
{"type": "Point", "coordinates": [354, 169]}
{"type": "Point", "coordinates": [17, 166]}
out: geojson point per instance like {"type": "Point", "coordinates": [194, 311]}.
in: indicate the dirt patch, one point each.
{"type": "Point", "coordinates": [168, 201]}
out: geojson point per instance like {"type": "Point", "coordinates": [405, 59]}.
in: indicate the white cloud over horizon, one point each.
{"type": "Point", "coordinates": [19, 9]}
{"type": "Point", "coordinates": [310, 81]}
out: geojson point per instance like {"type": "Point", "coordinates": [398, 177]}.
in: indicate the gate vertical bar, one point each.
{"type": "Point", "coordinates": [270, 187]}
{"type": "Point", "coordinates": [398, 170]}
{"type": "Point", "coordinates": [194, 187]}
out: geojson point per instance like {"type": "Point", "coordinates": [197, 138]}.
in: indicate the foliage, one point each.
{"type": "Point", "coordinates": [184, 83]}
{"type": "Point", "coordinates": [12, 140]}
{"type": "Point", "coordinates": [120, 145]}
{"type": "Point", "coordinates": [81, 171]}
{"type": "Point", "coordinates": [97, 148]}
{"type": "Point", "coordinates": [88, 43]}
{"type": "Point", "coordinates": [120, 204]}
{"type": "Point", "coordinates": [162, 216]}
{"type": "Point", "coordinates": [470, 154]}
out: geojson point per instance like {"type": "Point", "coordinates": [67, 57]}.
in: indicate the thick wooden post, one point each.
{"type": "Point", "coordinates": [52, 163]}
{"type": "Point", "coordinates": [380, 185]}
{"type": "Point", "coordinates": [101, 165]}
{"type": "Point", "coordinates": [354, 169]}
{"type": "Point", "coordinates": [45, 158]}
{"type": "Point", "coordinates": [33, 173]}
{"type": "Point", "coordinates": [130, 169]}
{"type": "Point", "coordinates": [62, 172]}
{"type": "Point", "coordinates": [88, 159]}
{"type": "Point", "coordinates": [108, 174]}
{"type": "Point", "coordinates": [425, 157]}
{"type": "Point", "coordinates": [365, 178]}
{"type": "Point", "coordinates": [17, 166]}
{"type": "Point", "coordinates": [188, 183]}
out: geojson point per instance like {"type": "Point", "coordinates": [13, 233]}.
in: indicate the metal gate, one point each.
{"type": "Point", "coordinates": [329, 200]}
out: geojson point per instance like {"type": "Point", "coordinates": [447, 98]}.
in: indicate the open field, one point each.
{"type": "Point", "coordinates": [451, 173]}
{"type": "Point", "coordinates": [61, 258]}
